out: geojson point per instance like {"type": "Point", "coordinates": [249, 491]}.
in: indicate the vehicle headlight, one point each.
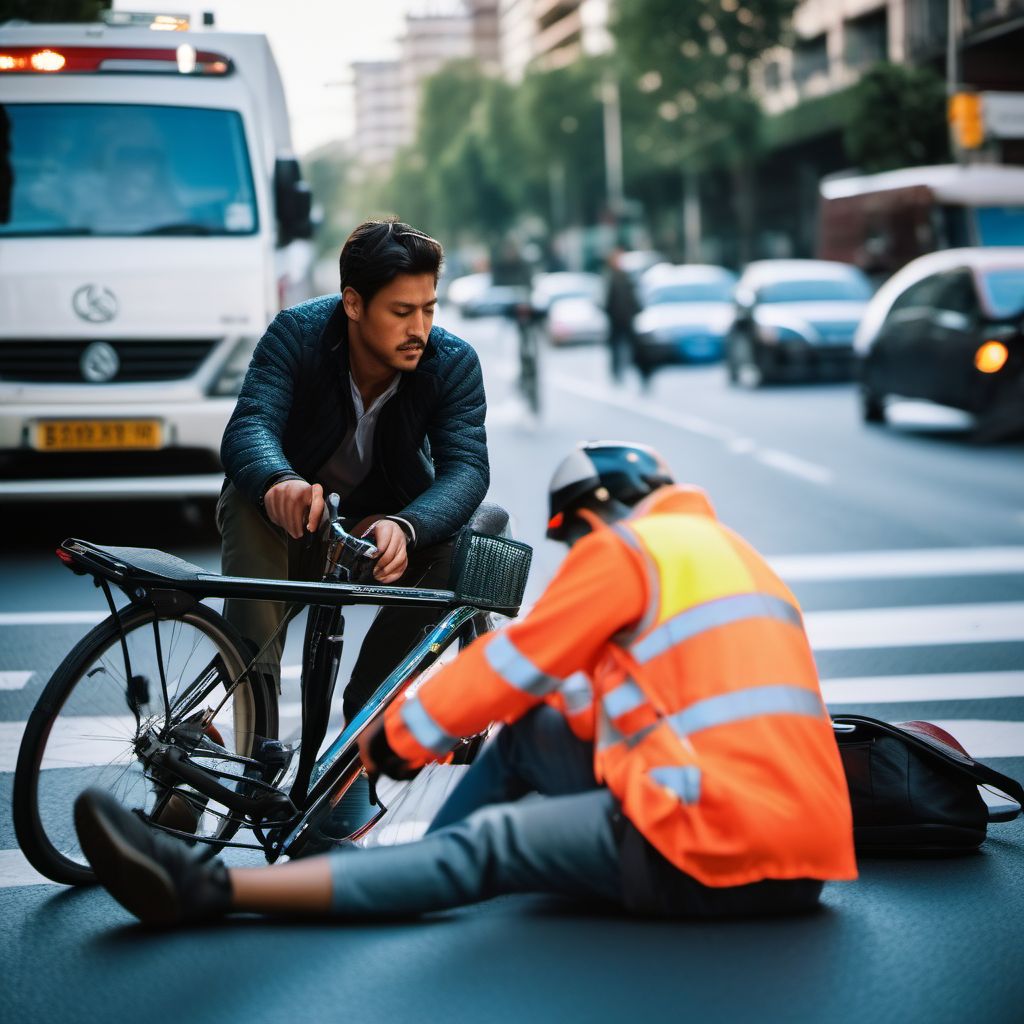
{"type": "Point", "coordinates": [229, 380]}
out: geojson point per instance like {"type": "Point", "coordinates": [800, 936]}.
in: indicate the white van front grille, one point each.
{"type": "Point", "coordinates": [61, 362]}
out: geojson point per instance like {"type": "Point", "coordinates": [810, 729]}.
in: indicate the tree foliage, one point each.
{"type": "Point", "coordinates": [898, 120]}
{"type": "Point", "coordinates": [692, 63]}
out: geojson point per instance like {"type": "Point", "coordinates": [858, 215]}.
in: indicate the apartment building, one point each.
{"type": "Point", "coordinates": [388, 93]}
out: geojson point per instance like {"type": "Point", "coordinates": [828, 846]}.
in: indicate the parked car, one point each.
{"type": "Point", "coordinates": [576, 320]}
{"type": "Point", "coordinates": [795, 319]}
{"type": "Point", "coordinates": [549, 288]}
{"type": "Point", "coordinates": [686, 312]}
{"type": "Point", "coordinates": [949, 328]}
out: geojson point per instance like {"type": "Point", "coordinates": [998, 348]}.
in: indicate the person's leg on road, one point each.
{"type": "Point", "coordinates": [558, 845]}
{"type": "Point", "coordinates": [538, 753]}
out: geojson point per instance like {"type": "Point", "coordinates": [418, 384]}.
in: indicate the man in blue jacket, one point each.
{"type": "Point", "coordinates": [358, 394]}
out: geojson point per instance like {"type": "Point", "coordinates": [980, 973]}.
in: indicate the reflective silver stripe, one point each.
{"type": "Point", "coordinates": [607, 734]}
{"type": "Point", "coordinates": [577, 693]}
{"type": "Point", "coordinates": [720, 612]}
{"type": "Point", "coordinates": [683, 780]}
{"type": "Point", "coordinates": [626, 697]}
{"type": "Point", "coordinates": [627, 636]}
{"type": "Point", "coordinates": [516, 669]}
{"type": "Point", "coordinates": [425, 731]}
{"type": "Point", "coordinates": [748, 703]}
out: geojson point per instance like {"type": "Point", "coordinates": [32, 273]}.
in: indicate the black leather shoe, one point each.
{"type": "Point", "coordinates": [159, 879]}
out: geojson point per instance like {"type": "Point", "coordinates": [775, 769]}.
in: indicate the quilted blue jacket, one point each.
{"type": "Point", "coordinates": [430, 448]}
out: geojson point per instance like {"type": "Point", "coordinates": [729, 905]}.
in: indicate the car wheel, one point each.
{"type": "Point", "coordinates": [872, 406]}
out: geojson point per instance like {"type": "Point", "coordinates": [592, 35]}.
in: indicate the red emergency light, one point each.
{"type": "Point", "coordinates": [100, 59]}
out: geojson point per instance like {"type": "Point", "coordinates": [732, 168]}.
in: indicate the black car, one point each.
{"type": "Point", "coordinates": [948, 328]}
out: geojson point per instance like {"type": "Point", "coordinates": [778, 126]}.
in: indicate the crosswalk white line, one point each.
{"type": "Point", "coordinates": [928, 625]}
{"type": "Point", "coordinates": [983, 738]}
{"type": "Point", "coordinates": [927, 562]}
{"type": "Point", "coordinates": [14, 680]}
{"type": "Point", "coordinates": [15, 870]}
{"type": "Point", "coordinates": [911, 689]}
{"type": "Point", "coordinates": [51, 618]}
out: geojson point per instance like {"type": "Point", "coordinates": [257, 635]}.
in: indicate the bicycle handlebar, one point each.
{"type": "Point", "coordinates": [349, 559]}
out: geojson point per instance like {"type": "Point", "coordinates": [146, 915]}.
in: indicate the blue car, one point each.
{"type": "Point", "coordinates": [686, 313]}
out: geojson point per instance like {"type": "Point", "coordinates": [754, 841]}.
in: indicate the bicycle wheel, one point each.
{"type": "Point", "coordinates": [83, 731]}
{"type": "Point", "coordinates": [529, 370]}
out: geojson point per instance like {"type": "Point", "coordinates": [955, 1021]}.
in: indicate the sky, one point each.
{"type": "Point", "coordinates": [314, 42]}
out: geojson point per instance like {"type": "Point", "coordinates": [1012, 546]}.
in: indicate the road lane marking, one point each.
{"type": "Point", "coordinates": [983, 738]}
{"type": "Point", "coordinates": [14, 680]}
{"type": "Point", "coordinates": [738, 445]}
{"type": "Point", "coordinates": [794, 465]}
{"type": "Point", "coordinates": [15, 870]}
{"type": "Point", "coordinates": [903, 564]}
{"type": "Point", "coordinates": [914, 689]}
{"type": "Point", "coordinates": [51, 618]}
{"type": "Point", "coordinates": [684, 421]}
{"type": "Point", "coordinates": [871, 628]}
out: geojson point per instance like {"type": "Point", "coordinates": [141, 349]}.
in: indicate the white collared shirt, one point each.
{"type": "Point", "coordinates": [346, 469]}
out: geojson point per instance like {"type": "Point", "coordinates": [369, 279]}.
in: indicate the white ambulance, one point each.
{"type": "Point", "coordinates": [153, 220]}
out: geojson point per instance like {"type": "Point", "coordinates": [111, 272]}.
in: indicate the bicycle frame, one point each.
{"type": "Point", "coordinates": [334, 770]}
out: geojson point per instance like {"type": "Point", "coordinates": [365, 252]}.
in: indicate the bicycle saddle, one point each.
{"type": "Point", "coordinates": [490, 519]}
{"type": "Point", "coordinates": [119, 563]}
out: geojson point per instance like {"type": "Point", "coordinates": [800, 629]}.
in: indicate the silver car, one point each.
{"type": "Point", "coordinates": [795, 319]}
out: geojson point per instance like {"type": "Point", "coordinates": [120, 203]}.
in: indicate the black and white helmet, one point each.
{"type": "Point", "coordinates": [602, 471]}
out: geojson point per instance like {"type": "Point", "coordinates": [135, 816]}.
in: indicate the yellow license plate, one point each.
{"type": "Point", "coordinates": [97, 435]}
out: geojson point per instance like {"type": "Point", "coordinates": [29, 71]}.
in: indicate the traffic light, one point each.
{"type": "Point", "coordinates": [965, 116]}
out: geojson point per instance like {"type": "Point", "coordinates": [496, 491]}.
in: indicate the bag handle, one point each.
{"type": "Point", "coordinates": [980, 773]}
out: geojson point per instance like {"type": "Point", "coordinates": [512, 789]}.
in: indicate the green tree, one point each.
{"type": "Point", "coordinates": [52, 10]}
{"type": "Point", "coordinates": [691, 61]}
{"type": "Point", "coordinates": [898, 120]}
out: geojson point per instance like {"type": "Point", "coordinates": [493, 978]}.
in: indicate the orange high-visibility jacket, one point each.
{"type": "Point", "coordinates": [670, 643]}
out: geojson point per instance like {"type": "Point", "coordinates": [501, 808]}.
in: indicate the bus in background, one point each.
{"type": "Point", "coordinates": [879, 222]}
{"type": "Point", "coordinates": [153, 220]}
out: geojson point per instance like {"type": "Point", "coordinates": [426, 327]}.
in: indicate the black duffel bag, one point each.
{"type": "Point", "coordinates": [914, 789]}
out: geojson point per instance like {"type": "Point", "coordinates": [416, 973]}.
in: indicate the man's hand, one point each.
{"type": "Point", "coordinates": [295, 506]}
{"type": "Point", "coordinates": [393, 559]}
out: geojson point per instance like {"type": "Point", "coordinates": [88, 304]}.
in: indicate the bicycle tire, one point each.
{"type": "Point", "coordinates": [37, 832]}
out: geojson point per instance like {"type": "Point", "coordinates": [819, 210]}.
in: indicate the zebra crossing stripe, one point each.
{"type": "Point", "coordinates": [14, 680]}
{"type": "Point", "coordinates": [911, 689]}
{"type": "Point", "coordinates": [931, 625]}
{"type": "Point", "coordinates": [903, 564]}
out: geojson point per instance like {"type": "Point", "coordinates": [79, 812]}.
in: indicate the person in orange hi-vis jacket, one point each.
{"type": "Point", "coordinates": [661, 698]}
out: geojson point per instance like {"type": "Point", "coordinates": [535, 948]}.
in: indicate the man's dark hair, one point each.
{"type": "Point", "coordinates": [379, 250]}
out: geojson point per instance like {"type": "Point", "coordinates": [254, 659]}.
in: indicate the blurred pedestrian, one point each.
{"type": "Point", "coordinates": [622, 306]}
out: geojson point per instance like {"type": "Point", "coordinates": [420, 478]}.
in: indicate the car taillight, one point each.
{"type": "Point", "coordinates": [98, 59]}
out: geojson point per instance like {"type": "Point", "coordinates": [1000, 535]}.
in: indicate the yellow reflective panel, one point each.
{"type": "Point", "coordinates": [991, 357]}
{"type": "Point", "coordinates": [719, 572]}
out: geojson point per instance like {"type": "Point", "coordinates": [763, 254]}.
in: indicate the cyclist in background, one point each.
{"type": "Point", "coordinates": [661, 695]}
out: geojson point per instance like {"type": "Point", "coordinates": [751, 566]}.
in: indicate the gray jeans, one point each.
{"type": "Point", "coordinates": [571, 841]}
{"type": "Point", "coordinates": [562, 843]}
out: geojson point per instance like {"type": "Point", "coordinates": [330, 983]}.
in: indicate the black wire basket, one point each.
{"type": "Point", "coordinates": [490, 572]}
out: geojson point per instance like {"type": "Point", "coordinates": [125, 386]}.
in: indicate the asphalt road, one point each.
{"type": "Point", "coordinates": [905, 546]}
